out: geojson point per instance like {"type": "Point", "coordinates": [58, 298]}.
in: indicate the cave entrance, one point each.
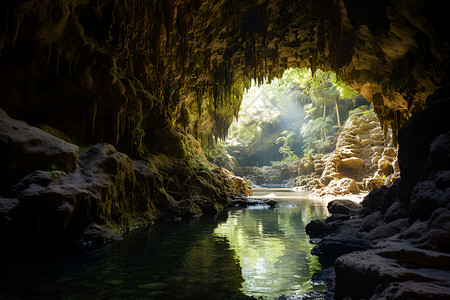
{"type": "Point", "coordinates": [291, 117]}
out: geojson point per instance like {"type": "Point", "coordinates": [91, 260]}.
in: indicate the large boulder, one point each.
{"type": "Point", "coordinates": [343, 206]}
{"type": "Point", "coordinates": [25, 148]}
{"type": "Point", "coordinates": [332, 247]}
{"type": "Point", "coordinates": [342, 186]}
{"type": "Point", "coordinates": [425, 273]}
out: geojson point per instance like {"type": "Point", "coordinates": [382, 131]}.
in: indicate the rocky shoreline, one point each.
{"type": "Point", "coordinates": [364, 158]}
{"type": "Point", "coordinates": [395, 244]}
{"type": "Point", "coordinates": [53, 193]}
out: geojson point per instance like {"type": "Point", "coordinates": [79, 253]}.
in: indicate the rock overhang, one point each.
{"type": "Point", "coordinates": [196, 58]}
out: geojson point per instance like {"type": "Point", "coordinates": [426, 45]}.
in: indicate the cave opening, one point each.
{"type": "Point", "coordinates": [107, 110]}
{"type": "Point", "coordinates": [293, 116]}
{"type": "Point", "coordinates": [299, 125]}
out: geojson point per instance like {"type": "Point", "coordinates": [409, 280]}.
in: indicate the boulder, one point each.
{"type": "Point", "coordinates": [371, 221]}
{"type": "Point", "coordinates": [435, 234]}
{"type": "Point", "coordinates": [386, 230]}
{"type": "Point", "coordinates": [439, 156]}
{"type": "Point", "coordinates": [351, 163]}
{"type": "Point", "coordinates": [343, 206]}
{"type": "Point", "coordinates": [374, 199]}
{"type": "Point", "coordinates": [26, 149]}
{"type": "Point", "coordinates": [372, 183]}
{"type": "Point", "coordinates": [442, 180]}
{"type": "Point", "coordinates": [332, 247]}
{"type": "Point", "coordinates": [414, 290]}
{"type": "Point", "coordinates": [342, 186]}
{"type": "Point", "coordinates": [6, 206]}
{"type": "Point", "coordinates": [359, 275]}
{"type": "Point", "coordinates": [426, 197]}
{"type": "Point", "coordinates": [396, 211]}
{"type": "Point", "coordinates": [320, 228]}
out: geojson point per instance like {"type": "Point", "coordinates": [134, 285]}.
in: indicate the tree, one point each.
{"type": "Point", "coordinates": [286, 149]}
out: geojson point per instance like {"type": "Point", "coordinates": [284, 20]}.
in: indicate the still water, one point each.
{"type": "Point", "coordinates": [241, 253]}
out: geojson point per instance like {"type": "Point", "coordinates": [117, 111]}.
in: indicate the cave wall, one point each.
{"type": "Point", "coordinates": [112, 66]}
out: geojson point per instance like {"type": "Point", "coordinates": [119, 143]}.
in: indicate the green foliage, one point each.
{"type": "Point", "coordinates": [320, 95]}
{"type": "Point", "coordinates": [53, 172]}
{"type": "Point", "coordinates": [313, 133]}
{"type": "Point", "coordinates": [286, 149]}
{"type": "Point", "coordinates": [361, 111]}
{"type": "Point", "coordinates": [345, 91]}
{"type": "Point", "coordinates": [201, 163]}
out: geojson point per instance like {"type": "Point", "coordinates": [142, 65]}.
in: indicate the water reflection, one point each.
{"type": "Point", "coordinates": [205, 258]}
{"type": "Point", "coordinates": [166, 261]}
{"type": "Point", "coordinates": [271, 244]}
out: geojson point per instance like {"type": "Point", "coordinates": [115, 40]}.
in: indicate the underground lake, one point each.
{"type": "Point", "coordinates": [241, 253]}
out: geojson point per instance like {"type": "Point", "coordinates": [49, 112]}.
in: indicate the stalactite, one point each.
{"type": "Point", "coordinates": [49, 55]}
{"type": "Point", "coordinates": [16, 33]}
{"type": "Point", "coordinates": [75, 64]}
{"type": "Point", "coordinates": [94, 117]}
{"type": "Point", "coordinates": [57, 59]}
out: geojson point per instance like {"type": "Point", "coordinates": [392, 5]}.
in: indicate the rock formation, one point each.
{"type": "Point", "coordinates": [58, 194]}
{"type": "Point", "coordinates": [364, 159]}
{"type": "Point", "coordinates": [396, 245]}
{"type": "Point", "coordinates": [96, 63]}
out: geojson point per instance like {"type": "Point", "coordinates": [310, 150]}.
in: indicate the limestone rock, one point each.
{"type": "Point", "coordinates": [426, 197]}
{"type": "Point", "coordinates": [6, 206]}
{"type": "Point", "coordinates": [371, 221]}
{"type": "Point", "coordinates": [332, 247]}
{"type": "Point", "coordinates": [414, 290]}
{"type": "Point", "coordinates": [195, 48]}
{"type": "Point", "coordinates": [343, 206]}
{"type": "Point", "coordinates": [360, 274]}
{"type": "Point", "coordinates": [367, 165]}
{"type": "Point", "coordinates": [374, 199]}
{"type": "Point", "coordinates": [352, 163]}
{"type": "Point", "coordinates": [386, 230]}
{"type": "Point", "coordinates": [98, 234]}
{"type": "Point", "coordinates": [395, 211]}
{"type": "Point", "coordinates": [320, 228]}
{"type": "Point", "coordinates": [418, 134]}
{"type": "Point", "coordinates": [434, 235]}
{"type": "Point", "coordinates": [25, 148]}
{"type": "Point", "coordinates": [372, 183]}
{"type": "Point", "coordinates": [342, 187]}
{"type": "Point", "coordinates": [107, 194]}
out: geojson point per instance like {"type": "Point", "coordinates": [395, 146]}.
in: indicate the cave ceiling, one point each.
{"type": "Point", "coordinates": [191, 60]}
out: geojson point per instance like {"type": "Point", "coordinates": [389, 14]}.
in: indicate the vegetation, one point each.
{"type": "Point", "coordinates": [286, 148]}
{"type": "Point", "coordinates": [323, 98]}
{"type": "Point", "coordinates": [53, 172]}
{"type": "Point", "coordinates": [324, 89]}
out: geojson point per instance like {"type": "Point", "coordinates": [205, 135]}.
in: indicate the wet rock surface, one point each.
{"type": "Point", "coordinates": [394, 246]}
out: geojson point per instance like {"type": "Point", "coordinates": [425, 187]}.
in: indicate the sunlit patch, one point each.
{"type": "Point", "coordinates": [271, 246]}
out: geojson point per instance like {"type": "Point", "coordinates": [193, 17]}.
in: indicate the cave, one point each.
{"type": "Point", "coordinates": [109, 110]}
